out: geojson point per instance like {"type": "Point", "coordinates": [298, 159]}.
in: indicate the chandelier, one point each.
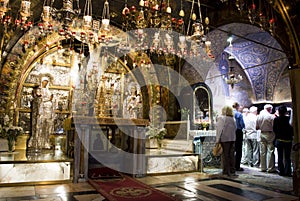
{"type": "Point", "coordinates": [165, 35]}
{"type": "Point", "coordinates": [68, 21]}
{"type": "Point", "coordinates": [259, 12]}
{"type": "Point", "coordinates": [232, 77]}
{"type": "Point", "coordinates": [169, 35]}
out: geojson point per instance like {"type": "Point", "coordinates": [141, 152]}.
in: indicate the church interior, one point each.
{"type": "Point", "coordinates": [129, 92]}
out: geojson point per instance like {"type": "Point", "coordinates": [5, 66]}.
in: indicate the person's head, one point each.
{"type": "Point", "coordinates": [282, 110]}
{"type": "Point", "coordinates": [227, 111]}
{"type": "Point", "coordinates": [44, 81]}
{"type": "Point", "coordinates": [268, 107]}
{"type": "Point", "coordinates": [236, 105]}
{"type": "Point", "coordinates": [253, 110]}
{"type": "Point", "coordinates": [133, 90]}
{"type": "Point", "coordinates": [245, 110]}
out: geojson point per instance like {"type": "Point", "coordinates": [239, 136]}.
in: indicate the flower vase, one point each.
{"type": "Point", "coordinates": [11, 144]}
{"type": "Point", "coordinates": [159, 144]}
{"type": "Point", "coordinates": [151, 143]}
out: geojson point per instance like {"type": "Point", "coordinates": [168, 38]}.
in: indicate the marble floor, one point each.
{"type": "Point", "coordinates": [209, 185]}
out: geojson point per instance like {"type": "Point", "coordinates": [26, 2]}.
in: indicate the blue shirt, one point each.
{"type": "Point", "coordinates": [239, 120]}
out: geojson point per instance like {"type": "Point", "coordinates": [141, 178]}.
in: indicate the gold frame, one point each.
{"type": "Point", "coordinates": [195, 101]}
{"type": "Point", "coordinates": [29, 68]}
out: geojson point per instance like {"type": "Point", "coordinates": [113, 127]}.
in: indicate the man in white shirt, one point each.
{"type": "Point", "coordinates": [264, 123]}
{"type": "Point", "coordinates": [252, 147]}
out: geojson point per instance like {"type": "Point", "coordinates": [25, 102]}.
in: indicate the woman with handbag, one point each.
{"type": "Point", "coordinates": [226, 128]}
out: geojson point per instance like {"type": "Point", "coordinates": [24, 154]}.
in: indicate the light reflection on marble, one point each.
{"type": "Point", "coordinates": [172, 164]}
{"type": "Point", "coordinates": [21, 156]}
{"type": "Point", "coordinates": [17, 191]}
{"type": "Point", "coordinates": [165, 178]}
{"type": "Point", "coordinates": [34, 172]}
{"type": "Point", "coordinates": [48, 165]}
{"type": "Point", "coordinates": [63, 188]}
{"type": "Point", "coordinates": [172, 147]}
{"type": "Point", "coordinates": [174, 156]}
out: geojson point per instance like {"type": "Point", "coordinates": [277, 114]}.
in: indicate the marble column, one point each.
{"type": "Point", "coordinates": [295, 84]}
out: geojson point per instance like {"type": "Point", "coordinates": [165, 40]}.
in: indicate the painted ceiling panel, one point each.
{"type": "Point", "coordinates": [263, 60]}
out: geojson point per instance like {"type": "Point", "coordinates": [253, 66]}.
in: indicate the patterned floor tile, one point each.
{"type": "Point", "coordinates": [207, 186]}
{"type": "Point", "coordinates": [89, 197]}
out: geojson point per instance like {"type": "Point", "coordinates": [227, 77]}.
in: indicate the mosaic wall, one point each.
{"type": "Point", "coordinates": [264, 65]}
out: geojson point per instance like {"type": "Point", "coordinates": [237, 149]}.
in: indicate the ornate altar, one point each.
{"type": "Point", "coordinates": [118, 143]}
{"type": "Point", "coordinates": [92, 88]}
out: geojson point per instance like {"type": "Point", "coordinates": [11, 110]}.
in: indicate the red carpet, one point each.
{"type": "Point", "coordinates": [127, 188]}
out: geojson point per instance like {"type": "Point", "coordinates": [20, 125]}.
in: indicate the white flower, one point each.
{"type": "Point", "coordinates": [155, 132]}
